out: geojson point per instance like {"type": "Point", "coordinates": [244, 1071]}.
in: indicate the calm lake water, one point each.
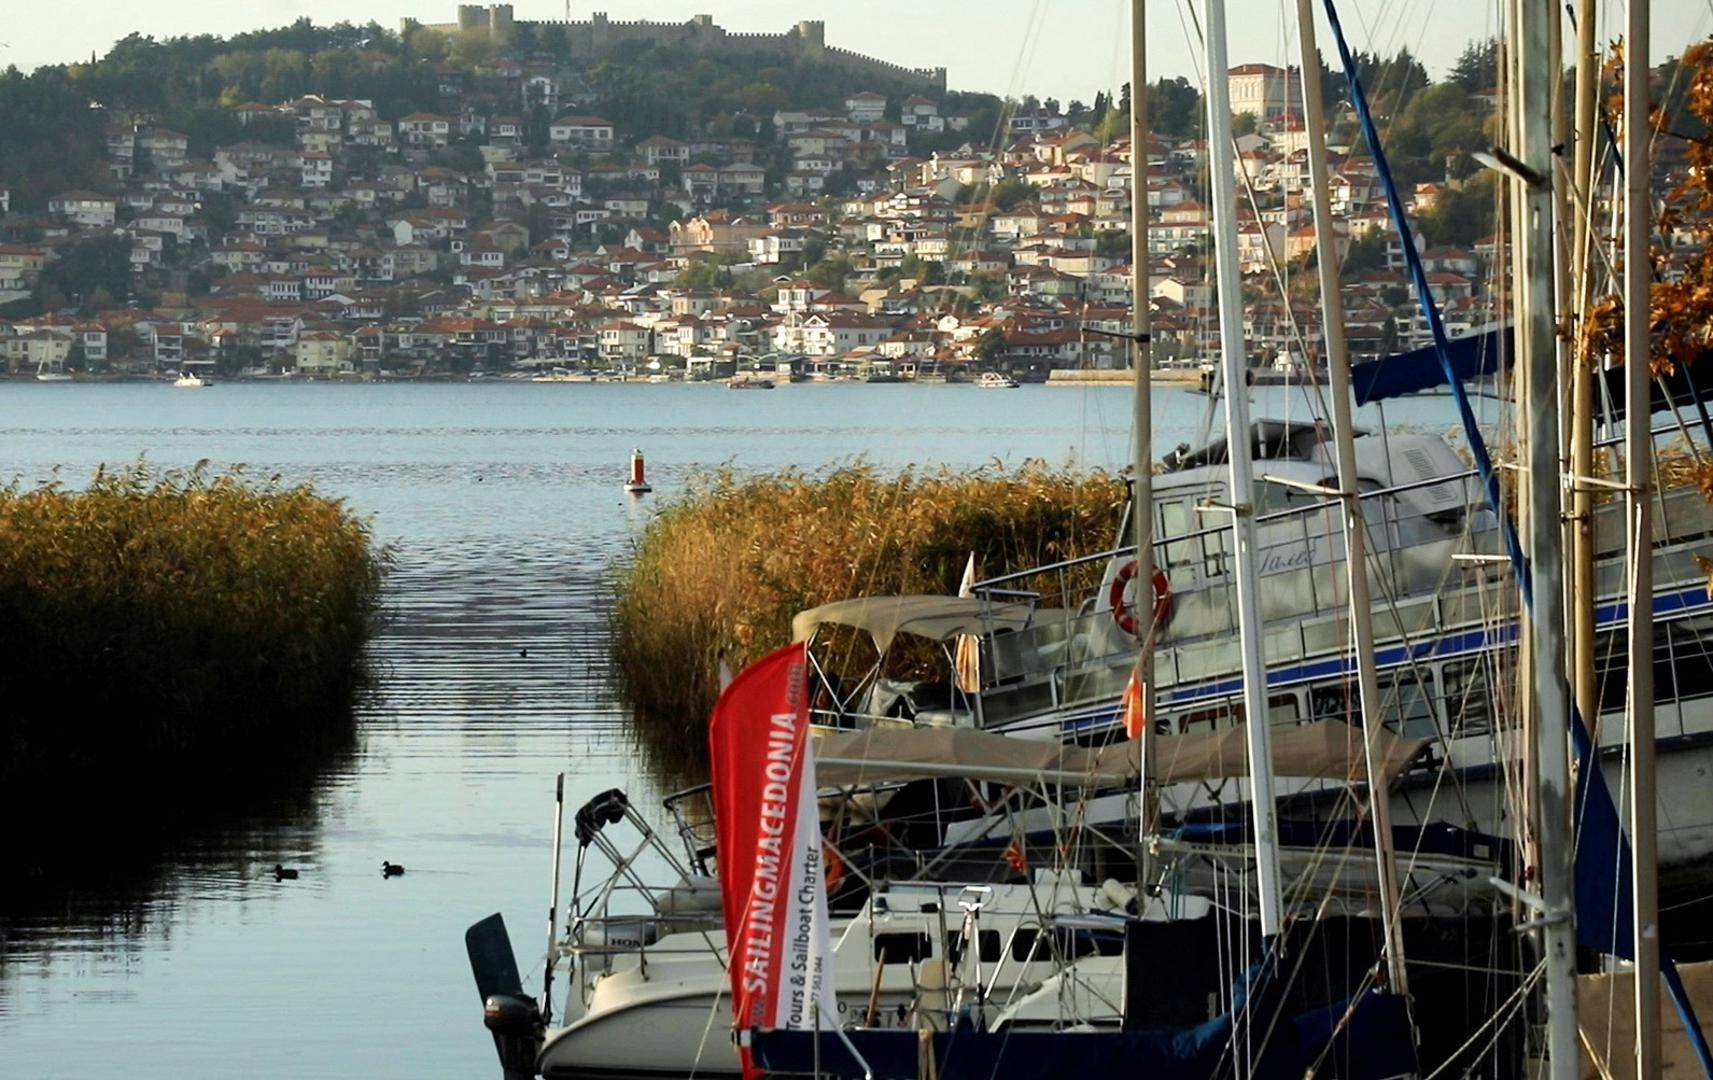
{"type": "Point", "coordinates": [503, 502]}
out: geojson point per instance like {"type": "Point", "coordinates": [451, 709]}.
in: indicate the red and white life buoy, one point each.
{"type": "Point", "coordinates": [1121, 612]}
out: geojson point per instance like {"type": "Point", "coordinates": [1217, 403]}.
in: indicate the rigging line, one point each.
{"type": "Point", "coordinates": [1510, 1005]}
{"type": "Point", "coordinates": [1591, 792]}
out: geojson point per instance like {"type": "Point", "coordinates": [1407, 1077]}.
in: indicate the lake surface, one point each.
{"type": "Point", "coordinates": [503, 502]}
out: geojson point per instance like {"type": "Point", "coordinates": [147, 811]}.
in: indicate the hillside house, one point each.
{"type": "Point", "coordinates": [584, 132]}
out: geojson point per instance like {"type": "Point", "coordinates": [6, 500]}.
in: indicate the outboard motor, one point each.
{"type": "Point", "coordinates": [514, 1019]}
{"type": "Point", "coordinates": [516, 1023]}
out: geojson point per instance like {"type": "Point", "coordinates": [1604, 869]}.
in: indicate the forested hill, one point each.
{"type": "Point", "coordinates": [53, 136]}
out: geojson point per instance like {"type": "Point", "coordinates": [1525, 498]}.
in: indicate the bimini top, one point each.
{"type": "Point", "coordinates": [937, 618]}
{"type": "Point", "coordinates": [1319, 749]}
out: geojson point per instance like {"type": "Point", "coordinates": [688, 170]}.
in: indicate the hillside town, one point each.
{"type": "Point", "coordinates": [887, 239]}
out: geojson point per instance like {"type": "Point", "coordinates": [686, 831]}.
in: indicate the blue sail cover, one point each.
{"type": "Point", "coordinates": [1473, 357]}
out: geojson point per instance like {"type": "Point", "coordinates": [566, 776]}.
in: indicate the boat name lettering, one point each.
{"type": "Point", "coordinates": [1273, 561]}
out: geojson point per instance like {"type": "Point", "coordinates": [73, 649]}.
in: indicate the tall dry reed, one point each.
{"type": "Point", "coordinates": [158, 629]}
{"type": "Point", "coordinates": [725, 565]}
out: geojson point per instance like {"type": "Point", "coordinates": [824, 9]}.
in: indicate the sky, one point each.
{"type": "Point", "coordinates": [1067, 49]}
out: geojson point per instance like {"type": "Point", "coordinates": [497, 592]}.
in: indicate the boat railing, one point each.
{"type": "Point", "coordinates": [1427, 580]}
{"type": "Point", "coordinates": [1080, 654]}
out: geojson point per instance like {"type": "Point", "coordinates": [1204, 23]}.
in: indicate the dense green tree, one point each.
{"type": "Point", "coordinates": [1174, 108]}
{"type": "Point", "coordinates": [1477, 68]}
{"type": "Point", "coordinates": [1011, 191]}
{"type": "Point", "coordinates": [832, 271]}
{"type": "Point", "coordinates": [1462, 216]}
{"type": "Point", "coordinates": [87, 268]}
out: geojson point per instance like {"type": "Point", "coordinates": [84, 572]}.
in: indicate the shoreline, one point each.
{"type": "Point", "coordinates": [1058, 377]}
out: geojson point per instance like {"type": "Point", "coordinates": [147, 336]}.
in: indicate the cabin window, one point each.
{"type": "Point", "coordinates": [1683, 667]}
{"type": "Point", "coordinates": [1408, 698]}
{"type": "Point", "coordinates": [1070, 944]}
{"type": "Point", "coordinates": [1175, 520]}
{"type": "Point", "coordinates": [902, 948]}
{"type": "Point", "coordinates": [1335, 702]}
{"type": "Point", "coordinates": [988, 944]}
{"type": "Point", "coordinates": [1468, 697]}
{"type": "Point", "coordinates": [1023, 944]}
{"type": "Point", "coordinates": [1281, 709]}
{"type": "Point", "coordinates": [1216, 718]}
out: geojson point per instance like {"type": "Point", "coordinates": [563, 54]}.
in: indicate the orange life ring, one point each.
{"type": "Point", "coordinates": [1121, 612]}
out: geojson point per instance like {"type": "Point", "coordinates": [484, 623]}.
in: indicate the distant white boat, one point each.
{"type": "Point", "coordinates": [188, 381]}
{"type": "Point", "coordinates": [45, 375]}
{"type": "Point", "coordinates": [996, 380]}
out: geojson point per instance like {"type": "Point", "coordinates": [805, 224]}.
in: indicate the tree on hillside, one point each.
{"type": "Point", "coordinates": [88, 267]}
{"type": "Point", "coordinates": [1174, 108]}
{"type": "Point", "coordinates": [1010, 191]}
{"type": "Point", "coordinates": [1477, 69]}
{"type": "Point", "coordinates": [1462, 216]}
{"type": "Point", "coordinates": [990, 345]}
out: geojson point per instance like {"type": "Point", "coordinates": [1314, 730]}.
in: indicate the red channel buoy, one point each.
{"type": "Point", "coordinates": [637, 485]}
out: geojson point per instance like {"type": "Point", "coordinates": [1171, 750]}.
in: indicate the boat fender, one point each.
{"type": "Point", "coordinates": [1121, 612]}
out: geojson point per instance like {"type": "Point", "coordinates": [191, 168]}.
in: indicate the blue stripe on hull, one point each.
{"type": "Point", "coordinates": [1448, 647]}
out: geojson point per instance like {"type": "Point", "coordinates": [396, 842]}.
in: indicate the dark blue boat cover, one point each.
{"type": "Point", "coordinates": [1472, 357]}
{"type": "Point", "coordinates": [1369, 1041]}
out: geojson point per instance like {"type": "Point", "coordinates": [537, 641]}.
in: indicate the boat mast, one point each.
{"type": "Point", "coordinates": [1142, 473]}
{"type": "Point", "coordinates": [1638, 490]}
{"type": "Point", "coordinates": [1234, 362]}
{"type": "Point", "coordinates": [1538, 356]}
{"type": "Point", "coordinates": [1581, 374]}
{"type": "Point", "coordinates": [1355, 538]}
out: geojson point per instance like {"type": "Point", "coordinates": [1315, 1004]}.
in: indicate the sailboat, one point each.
{"type": "Point", "coordinates": [51, 374]}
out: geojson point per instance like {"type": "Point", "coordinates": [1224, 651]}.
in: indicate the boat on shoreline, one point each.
{"type": "Point", "coordinates": [996, 380]}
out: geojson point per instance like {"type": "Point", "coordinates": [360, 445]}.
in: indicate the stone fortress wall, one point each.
{"type": "Point", "coordinates": [598, 37]}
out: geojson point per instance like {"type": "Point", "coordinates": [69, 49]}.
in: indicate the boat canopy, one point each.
{"type": "Point", "coordinates": [1317, 750]}
{"type": "Point", "coordinates": [892, 754]}
{"type": "Point", "coordinates": [1320, 749]}
{"type": "Point", "coordinates": [937, 618]}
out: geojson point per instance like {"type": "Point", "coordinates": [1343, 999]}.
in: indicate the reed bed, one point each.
{"type": "Point", "coordinates": [162, 630]}
{"type": "Point", "coordinates": [722, 568]}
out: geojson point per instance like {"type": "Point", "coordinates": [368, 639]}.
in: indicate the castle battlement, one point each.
{"type": "Point", "coordinates": [597, 37]}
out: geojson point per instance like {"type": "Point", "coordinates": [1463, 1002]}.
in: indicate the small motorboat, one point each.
{"type": "Point", "coordinates": [187, 381]}
{"type": "Point", "coordinates": [996, 380]}
{"type": "Point", "coordinates": [750, 384]}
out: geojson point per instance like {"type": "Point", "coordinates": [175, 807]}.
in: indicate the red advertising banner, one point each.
{"type": "Point", "coordinates": [771, 859]}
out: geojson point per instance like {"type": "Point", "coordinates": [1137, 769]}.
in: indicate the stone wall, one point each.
{"type": "Point", "coordinates": [598, 37]}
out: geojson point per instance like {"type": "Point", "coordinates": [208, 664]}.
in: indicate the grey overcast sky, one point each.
{"type": "Point", "coordinates": [1063, 48]}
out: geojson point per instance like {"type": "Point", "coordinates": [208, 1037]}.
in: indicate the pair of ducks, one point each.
{"type": "Point", "coordinates": [388, 869]}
